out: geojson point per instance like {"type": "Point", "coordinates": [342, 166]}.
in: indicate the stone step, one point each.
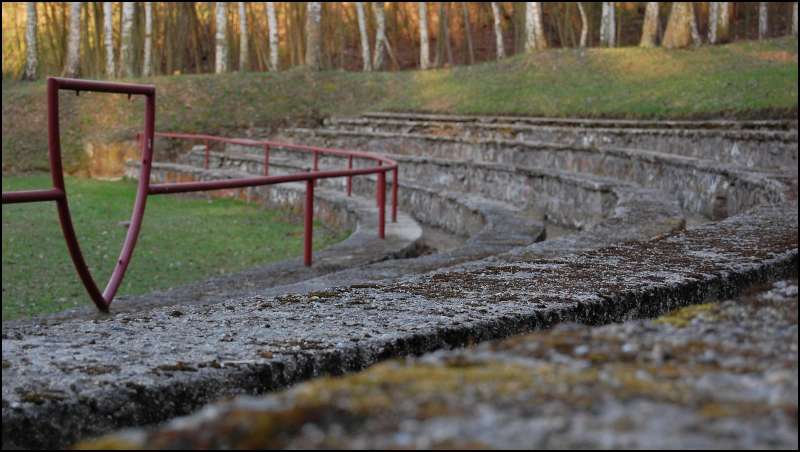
{"type": "Point", "coordinates": [751, 148]}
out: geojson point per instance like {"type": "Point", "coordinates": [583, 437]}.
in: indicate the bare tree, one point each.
{"type": "Point", "coordinates": [424, 40]}
{"type": "Point", "coordinates": [608, 25]}
{"type": "Point", "coordinates": [534, 31]}
{"type": "Point", "coordinates": [584, 26]}
{"type": "Point", "coordinates": [763, 20]}
{"type": "Point", "coordinates": [468, 33]}
{"type": "Point", "coordinates": [221, 23]}
{"type": "Point", "coordinates": [380, 35]}
{"type": "Point", "coordinates": [72, 64]}
{"type": "Point", "coordinates": [148, 39]}
{"type": "Point", "coordinates": [108, 37]}
{"type": "Point", "coordinates": [314, 35]}
{"type": "Point", "coordinates": [31, 59]}
{"type": "Point", "coordinates": [650, 27]}
{"type": "Point", "coordinates": [679, 27]}
{"type": "Point", "coordinates": [697, 40]}
{"type": "Point", "coordinates": [713, 21]}
{"type": "Point", "coordinates": [244, 37]}
{"type": "Point", "coordinates": [362, 31]}
{"type": "Point", "coordinates": [272, 20]}
{"type": "Point", "coordinates": [126, 40]}
{"type": "Point", "coordinates": [498, 30]}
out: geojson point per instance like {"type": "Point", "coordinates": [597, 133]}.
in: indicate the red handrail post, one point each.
{"type": "Point", "coordinates": [308, 229]}
{"type": "Point", "coordinates": [316, 164]}
{"type": "Point", "coordinates": [266, 160]}
{"type": "Point", "coordinates": [205, 164]}
{"type": "Point", "coordinates": [395, 182]}
{"type": "Point", "coordinates": [377, 193]}
{"type": "Point", "coordinates": [382, 204]}
{"type": "Point", "coordinates": [350, 178]}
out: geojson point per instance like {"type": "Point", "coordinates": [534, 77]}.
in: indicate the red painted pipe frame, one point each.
{"type": "Point", "coordinates": [58, 192]}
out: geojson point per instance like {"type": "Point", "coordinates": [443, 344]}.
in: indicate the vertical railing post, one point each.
{"type": "Point", "coordinates": [377, 193]}
{"type": "Point", "coordinates": [205, 164]}
{"type": "Point", "coordinates": [382, 204]}
{"type": "Point", "coordinates": [316, 164]}
{"type": "Point", "coordinates": [266, 160]}
{"type": "Point", "coordinates": [350, 178]}
{"type": "Point", "coordinates": [308, 227]}
{"type": "Point", "coordinates": [395, 182]}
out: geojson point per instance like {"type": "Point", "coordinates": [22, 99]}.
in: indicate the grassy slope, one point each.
{"type": "Point", "coordinates": [224, 236]}
{"type": "Point", "coordinates": [745, 79]}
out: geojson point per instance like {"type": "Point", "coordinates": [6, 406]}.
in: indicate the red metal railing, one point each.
{"type": "Point", "coordinates": [58, 192]}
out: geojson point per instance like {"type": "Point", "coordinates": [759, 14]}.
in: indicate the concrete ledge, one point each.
{"type": "Point", "coordinates": [75, 379]}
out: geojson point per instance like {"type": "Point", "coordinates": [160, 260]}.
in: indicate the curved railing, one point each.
{"type": "Point", "coordinates": [144, 189]}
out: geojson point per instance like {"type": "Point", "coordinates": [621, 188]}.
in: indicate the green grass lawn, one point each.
{"type": "Point", "coordinates": [182, 240]}
{"type": "Point", "coordinates": [745, 79]}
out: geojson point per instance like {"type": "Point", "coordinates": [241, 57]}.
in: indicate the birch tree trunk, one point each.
{"type": "Point", "coordinates": [380, 35]}
{"type": "Point", "coordinates": [534, 30]}
{"type": "Point", "coordinates": [713, 21]}
{"type": "Point", "coordinates": [608, 25]}
{"type": "Point", "coordinates": [313, 36]}
{"type": "Point", "coordinates": [72, 62]}
{"type": "Point", "coordinates": [724, 22]}
{"type": "Point", "coordinates": [148, 39]}
{"type": "Point", "coordinates": [362, 31]}
{"type": "Point", "coordinates": [498, 31]}
{"type": "Point", "coordinates": [221, 23]}
{"type": "Point", "coordinates": [584, 26]}
{"type": "Point", "coordinates": [794, 19]}
{"type": "Point", "coordinates": [424, 40]}
{"type": "Point", "coordinates": [126, 40]}
{"type": "Point", "coordinates": [272, 20]}
{"type": "Point", "coordinates": [697, 40]}
{"type": "Point", "coordinates": [650, 27]}
{"type": "Point", "coordinates": [468, 33]}
{"type": "Point", "coordinates": [244, 37]}
{"type": "Point", "coordinates": [763, 20]}
{"type": "Point", "coordinates": [679, 27]}
{"type": "Point", "coordinates": [31, 59]}
{"type": "Point", "coordinates": [108, 37]}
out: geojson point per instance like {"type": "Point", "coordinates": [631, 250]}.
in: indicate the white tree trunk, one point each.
{"type": "Point", "coordinates": [272, 20]}
{"type": "Point", "coordinates": [380, 35]}
{"type": "Point", "coordinates": [72, 64]}
{"type": "Point", "coordinates": [794, 19]}
{"type": "Point", "coordinates": [724, 22]}
{"type": "Point", "coordinates": [221, 22]}
{"type": "Point", "coordinates": [362, 31]}
{"type": "Point", "coordinates": [148, 39]}
{"type": "Point", "coordinates": [31, 59]}
{"type": "Point", "coordinates": [584, 26]}
{"type": "Point", "coordinates": [534, 32]}
{"type": "Point", "coordinates": [498, 30]}
{"type": "Point", "coordinates": [650, 27]}
{"type": "Point", "coordinates": [713, 21]}
{"type": "Point", "coordinates": [424, 40]}
{"type": "Point", "coordinates": [314, 35]}
{"type": "Point", "coordinates": [108, 37]}
{"type": "Point", "coordinates": [763, 20]}
{"type": "Point", "coordinates": [697, 40]}
{"type": "Point", "coordinates": [244, 37]}
{"type": "Point", "coordinates": [126, 40]}
{"type": "Point", "coordinates": [608, 25]}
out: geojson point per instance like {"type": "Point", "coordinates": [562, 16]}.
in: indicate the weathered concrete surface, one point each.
{"type": "Point", "coordinates": [751, 148]}
{"type": "Point", "coordinates": [74, 379]}
{"type": "Point", "coordinates": [703, 187]}
{"type": "Point", "coordinates": [712, 376]}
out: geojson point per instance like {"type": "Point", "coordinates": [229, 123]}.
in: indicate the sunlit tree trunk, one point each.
{"type": "Point", "coordinates": [608, 25]}
{"type": "Point", "coordinates": [380, 35]}
{"type": "Point", "coordinates": [72, 63]}
{"type": "Point", "coordinates": [724, 22]}
{"type": "Point", "coordinates": [713, 21]}
{"type": "Point", "coordinates": [313, 36]}
{"type": "Point", "coordinates": [763, 20]}
{"type": "Point", "coordinates": [148, 39]}
{"type": "Point", "coordinates": [498, 30]}
{"type": "Point", "coordinates": [534, 31]}
{"type": "Point", "coordinates": [272, 20]}
{"type": "Point", "coordinates": [794, 19]}
{"type": "Point", "coordinates": [108, 37]}
{"type": "Point", "coordinates": [679, 27]}
{"type": "Point", "coordinates": [468, 33]}
{"type": "Point", "coordinates": [650, 27]}
{"type": "Point", "coordinates": [424, 40]}
{"type": "Point", "coordinates": [31, 59]}
{"type": "Point", "coordinates": [221, 23]}
{"type": "Point", "coordinates": [244, 37]}
{"type": "Point", "coordinates": [584, 26]}
{"type": "Point", "coordinates": [362, 31]}
{"type": "Point", "coordinates": [697, 40]}
{"type": "Point", "coordinates": [126, 40]}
